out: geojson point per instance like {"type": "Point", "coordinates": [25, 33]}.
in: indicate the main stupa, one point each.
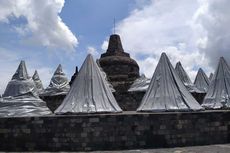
{"type": "Point", "coordinates": [121, 70]}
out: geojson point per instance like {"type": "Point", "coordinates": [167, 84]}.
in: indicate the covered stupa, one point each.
{"type": "Point", "coordinates": [20, 83]}
{"type": "Point", "coordinates": [185, 79]}
{"type": "Point", "coordinates": [210, 76]}
{"type": "Point", "coordinates": [21, 98]}
{"type": "Point", "coordinates": [140, 84]}
{"type": "Point", "coordinates": [218, 95]}
{"type": "Point", "coordinates": [59, 84]}
{"type": "Point", "coordinates": [167, 92]}
{"type": "Point", "coordinates": [121, 70]}
{"type": "Point", "coordinates": [105, 77]}
{"type": "Point", "coordinates": [201, 81]}
{"type": "Point", "coordinates": [89, 92]}
{"type": "Point", "coordinates": [38, 82]}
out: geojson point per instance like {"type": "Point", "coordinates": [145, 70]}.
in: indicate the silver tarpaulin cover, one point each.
{"type": "Point", "coordinates": [105, 76]}
{"type": "Point", "coordinates": [59, 84]}
{"type": "Point", "coordinates": [219, 88]}
{"type": "Point", "coordinates": [210, 76]}
{"type": "Point", "coordinates": [89, 92]}
{"type": "Point", "coordinates": [201, 81]}
{"type": "Point", "coordinates": [166, 91]}
{"type": "Point", "coordinates": [24, 105]}
{"type": "Point", "coordinates": [185, 79]}
{"type": "Point", "coordinates": [38, 82]}
{"type": "Point", "coordinates": [20, 97]}
{"type": "Point", "coordinates": [20, 83]}
{"type": "Point", "coordinates": [140, 84]}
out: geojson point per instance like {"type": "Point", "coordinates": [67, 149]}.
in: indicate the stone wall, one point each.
{"type": "Point", "coordinates": [129, 101]}
{"type": "Point", "coordinates": [53, 102]}
{"type": "Point", "coordinates": [127, 130]}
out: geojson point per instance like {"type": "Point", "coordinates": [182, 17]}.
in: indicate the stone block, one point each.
{"type": "Point", "coordinates": [94, 120]}
{"type": "Point", "coordinates": [83, 135]}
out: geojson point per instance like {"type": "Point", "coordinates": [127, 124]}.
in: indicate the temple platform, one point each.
{"type": "Point", "coordinates": [127, 130]}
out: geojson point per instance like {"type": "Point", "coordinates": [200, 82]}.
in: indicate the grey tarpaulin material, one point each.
{"type": "Point", "coordinates": [166, 91]}
{"type": "Point", "coordinates": [89, 92]}
{"type": "Point", "coordinates": [105, 76]}
{"type": "Point", "coordinates": [140, 84]}
{"type": "Point", "coordinates": [201, 81]}
{"type": "Point", "coordinates": [20, 83]}
{"type": "Point", "coordinates": [59, 84]}
{"type": "Point", "coordinates": [185, 79]}
{"type": "Point", "coordinates": [210, 76]}
{"type": "Point", "coordinates": [20, 97]}
{"type": "Point", "coordinates": [219, 88]}
{"type": "Point", "coordinates": [38, 82]}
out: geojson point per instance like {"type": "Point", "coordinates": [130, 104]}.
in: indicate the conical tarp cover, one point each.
{"type": "Point", "coordinates": [20, 97]}
{"type": "Point", "coordinates": [140, 84]}
{"type": "Point", "coordinates": [210, 76]}
{"type": "Point", "coordinates": [105, 77]}
{"type": "Point", "coordinates": [59, 84]}
{"type": "Point", "coordinates": [38, 82]}
{"type": "Point", "coordinates": [166, 91]}
{"type": "Point", "coordinates": [89, 92]}
{"type": "Point", "coordinates": [185, 79]}
{"type": "Point", "coordinates": [219, 88]}
{"type": "Point", "coordinates": [201, 81]}
{"type": "Point", "coordinates": [20, 83]}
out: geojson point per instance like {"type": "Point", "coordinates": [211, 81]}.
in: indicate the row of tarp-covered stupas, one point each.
{"type": "Point", "coordinates": [168, 90]}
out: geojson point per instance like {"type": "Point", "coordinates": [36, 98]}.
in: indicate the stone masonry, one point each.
{"type": "Point", "coordinates": [129, 130]}
{"type": "Point", "coordinates": [121, 70]}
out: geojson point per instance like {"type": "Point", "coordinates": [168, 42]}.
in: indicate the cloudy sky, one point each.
{"type": "Point", "coordinates": [45, 33]}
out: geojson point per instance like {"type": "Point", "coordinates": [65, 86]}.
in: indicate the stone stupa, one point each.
{"type": "Point", "coordinates": [73, 76]}
{"type": "Point", "coordinates": [121, 70]}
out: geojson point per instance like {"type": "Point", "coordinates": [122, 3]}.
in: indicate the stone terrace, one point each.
{"type": "Point", "coordinates": [128, 130]}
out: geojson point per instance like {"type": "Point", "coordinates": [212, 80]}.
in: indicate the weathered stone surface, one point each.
{"type": "Point", "coordinates": [129, 130]}
{"type": "Point", "coordinates": [53, 102]}
{"type": "Point", "coordinates": [74, 76]}
{"type": "Point", "coordinates": [121, 70]}
{"type": "Point", "coordinates": [129, 101]}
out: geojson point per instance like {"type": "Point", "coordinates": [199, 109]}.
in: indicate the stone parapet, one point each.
{"type": "Point", "coordinates": [129, 130]}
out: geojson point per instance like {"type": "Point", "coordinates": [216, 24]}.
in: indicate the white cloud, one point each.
{"type": "Point", "coordinates": [104, 45]}
{"type": "Point", "coordinates": [147, 65]}
{"type": "Point", "coordinates": [163, 26]}
{"type": "Point", "coordinates": [92, 50]}
{"type": "Point", "coordinates": [44, 25]}
{"type": "Point", "coordinates": [212, 21]}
